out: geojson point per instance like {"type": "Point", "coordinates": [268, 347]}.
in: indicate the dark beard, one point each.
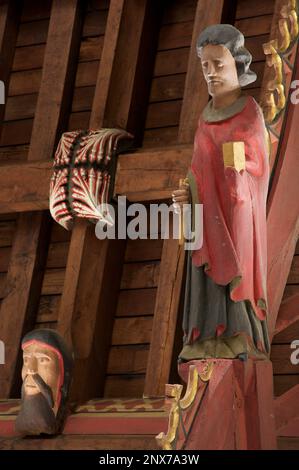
{"type": "Point", "coordinates": [36, 415]}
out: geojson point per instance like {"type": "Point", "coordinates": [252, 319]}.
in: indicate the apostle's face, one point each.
{"type": "Point", "coordinates": [219, 69]}
{"type": "Point", "coordinates": [40, 371]}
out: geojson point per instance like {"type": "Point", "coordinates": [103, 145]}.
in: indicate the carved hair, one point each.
{"type": "Point", "coordinates": [230, 37]}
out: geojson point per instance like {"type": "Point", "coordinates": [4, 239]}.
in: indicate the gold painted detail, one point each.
{"type": "Point", "coordinates": [206, 373]}
{"type": "Point", "coordinates": [288, 25]}
{"type": "Point", "coordinates": [276, 51]}
{"type": "Point", "coordinates": [179, 405]}
{"type": "Point", "coordinates": [192, 387]}
{"type": "Point", "coordinates": [167, 441]}
{"type": "Point", "coordinates": [234, 155]}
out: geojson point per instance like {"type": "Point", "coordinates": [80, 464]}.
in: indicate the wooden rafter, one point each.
{"type": "Point", "coordinates": [152, 174]}
{"type": "Point", "coordinates": [31, 195]}
{"type": "Point", "coordinates": [22, 292]}
{"type": "Point", "coordinates": [173, 256]}
{"type": "Point", "coordinates": [93, 271]}
{"type": "Point", "coordinates": [25, 272]}
{"type": "Point", "coordinates": [165, 318]}
{"type": "Point", "coordinates": [9, 23]}
{"type": "Point", "coordinates": [133, 178]}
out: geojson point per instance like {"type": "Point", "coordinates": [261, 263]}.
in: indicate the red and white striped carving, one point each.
{"type": "Point", "coordinates": [82, 175]}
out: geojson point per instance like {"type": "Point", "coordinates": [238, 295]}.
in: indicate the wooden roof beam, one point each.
{"type": "Point", "coordinates": [94, 267]}
{"type": "Point", "coordinates": [9, 25]}
{"type": "Point", "coordinates": [173, 257]}
{"type": "Point", "coordinates": [25, 186]}
{"type": "Point", "coordinates": [29, 252]}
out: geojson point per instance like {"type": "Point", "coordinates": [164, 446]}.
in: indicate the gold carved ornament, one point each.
{"type": "Point", "coordinates": [275, 50]}
{"type": "Point", "coordinates": [167, 441]}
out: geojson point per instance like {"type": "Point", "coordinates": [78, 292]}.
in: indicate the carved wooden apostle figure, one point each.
{"type": "Point", "coordinates": [225, 298]}
{"type": "Point", "coordinates": [46, 374]}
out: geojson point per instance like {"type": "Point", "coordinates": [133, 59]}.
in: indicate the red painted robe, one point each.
{"type": "Point", "coordinates": [234, 247]}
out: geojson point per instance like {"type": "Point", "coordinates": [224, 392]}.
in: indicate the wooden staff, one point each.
{"type": "Point", "coordinates": [182, 182]}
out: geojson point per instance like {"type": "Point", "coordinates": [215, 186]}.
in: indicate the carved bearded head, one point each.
{"type": "Point", "coordinates": [46, 375]}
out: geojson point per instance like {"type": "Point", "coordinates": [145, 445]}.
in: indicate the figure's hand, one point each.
{"type": "Point", "coordinates": [181, 196]}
